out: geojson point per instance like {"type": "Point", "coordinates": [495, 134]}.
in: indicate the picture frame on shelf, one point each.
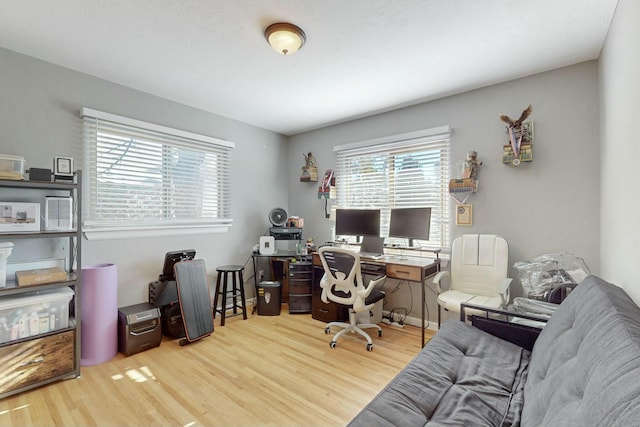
{"type": "Point", "coordinates": [63, 168]}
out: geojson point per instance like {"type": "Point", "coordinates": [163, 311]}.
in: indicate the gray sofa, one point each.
{"type": "Point", "coordinates": [583, 370]}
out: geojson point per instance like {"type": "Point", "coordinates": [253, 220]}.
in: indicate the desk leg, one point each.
{"type": "Point", "coordinates": [422, 313]}
{"type": "Point", "coordinates": [255, 286]}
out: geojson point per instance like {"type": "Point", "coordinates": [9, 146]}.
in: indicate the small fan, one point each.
{"type": "Point", "coordinates": [278, 217]}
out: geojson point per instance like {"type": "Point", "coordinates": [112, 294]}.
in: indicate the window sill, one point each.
{"type": "Point", "coordinates": [137, 232]}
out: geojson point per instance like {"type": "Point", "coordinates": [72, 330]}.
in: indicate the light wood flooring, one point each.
{"type": "Point", "coordinates": [263, 371]}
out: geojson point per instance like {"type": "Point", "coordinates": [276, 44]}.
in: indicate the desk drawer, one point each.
{"type": "Point", "coordinates": [404, 272]}
{"type": "Point", "coordinates": [300, 303]}
{"type": "Point", "coordinates": [36, 360]}
{"type": "Point", "coordinates": [297, 287]}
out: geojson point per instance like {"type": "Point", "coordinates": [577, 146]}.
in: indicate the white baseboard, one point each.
{"type": "Point", "coordinates": [415, 321]}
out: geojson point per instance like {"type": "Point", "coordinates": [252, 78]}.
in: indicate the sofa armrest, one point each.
{"type": "Point", "coordinates": [519, 334]}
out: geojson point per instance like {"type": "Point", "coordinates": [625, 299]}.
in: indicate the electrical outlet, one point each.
{"type": "Point", "coordinates": [261, 275]}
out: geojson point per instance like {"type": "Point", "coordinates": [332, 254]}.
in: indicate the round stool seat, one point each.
{"type": "Point", "coordinates": [229, 268]}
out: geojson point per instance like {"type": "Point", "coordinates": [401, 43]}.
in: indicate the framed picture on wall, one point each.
{"type": "Point", "coordinates": [464, 215]}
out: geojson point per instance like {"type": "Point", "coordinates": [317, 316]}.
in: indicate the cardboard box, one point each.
{"type": "Point", "coordinates": [17, 217]}
{"type": "Point", "coordinates": [40, 276]}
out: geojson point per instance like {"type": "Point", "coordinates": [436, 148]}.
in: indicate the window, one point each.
{"type": "Point", "coordinates": [141, 176]}
{"type": "Point", "coordinates": [409, 170]}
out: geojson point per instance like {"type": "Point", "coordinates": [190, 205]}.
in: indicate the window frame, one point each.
{"type": "Point", "coordinates": [163, 139]}
{"type": "Point", "coordinates": [433, 139]}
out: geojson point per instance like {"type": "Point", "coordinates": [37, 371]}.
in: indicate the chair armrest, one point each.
{"type": "Point", "coordinates": [503, 290]}
{"type": "Point", "coordinates": [439, 277]}
{"type": "Point", "coordinates": [364, 293]}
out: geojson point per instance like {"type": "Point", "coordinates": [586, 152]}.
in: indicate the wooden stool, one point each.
{"type": "Point", "coordinates": [237, 285]}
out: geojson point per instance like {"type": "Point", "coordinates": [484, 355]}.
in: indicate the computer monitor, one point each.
{"type": "Point", "coordinates": [357, 222]}
{"type": "Point", "coordinates": [410, 223]}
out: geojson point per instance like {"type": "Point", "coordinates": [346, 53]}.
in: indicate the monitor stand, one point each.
{"type": "Point", "coordinates": [402, 257]}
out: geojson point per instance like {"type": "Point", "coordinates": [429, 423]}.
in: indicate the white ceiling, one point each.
{"type": "Point", "coordinates": [361, 57]}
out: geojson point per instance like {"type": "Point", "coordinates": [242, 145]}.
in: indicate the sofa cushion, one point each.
{"type": "Point", "coordinates": [585, 365]}
{"type": "Point", "coordinates": [463, 376]}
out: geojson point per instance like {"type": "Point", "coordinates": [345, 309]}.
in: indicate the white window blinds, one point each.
{"type": "Point", "coordinates": [142, 176]}
{"type": "Point", "coordinates": [409, 170]}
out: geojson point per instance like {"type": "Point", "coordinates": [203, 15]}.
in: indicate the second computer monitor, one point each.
{"type": "Point", "coordinates": [357, 222]}
{"type": "Point", "coordinates": [410, 223]}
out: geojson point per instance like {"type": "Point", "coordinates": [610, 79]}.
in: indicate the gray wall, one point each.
{"type": "Point", "coordinates": [620, 113]}
{"type": "Point", "coordinates": [550, 205]}
{"type": "Point", "coordinates": [547, 206]}
{"type": "Point", "coordinates": [39, 118]}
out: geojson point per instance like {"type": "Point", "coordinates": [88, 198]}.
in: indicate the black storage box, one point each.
{"type": "Point", "coordinates": [172, 324]}
{"type": "Point", "coordinates": [138, 328]}
{"type": "Point", "coordinates": [268, 296]}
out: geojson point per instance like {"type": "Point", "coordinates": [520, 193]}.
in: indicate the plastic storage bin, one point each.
{"type": "Point", "coordinates": [34, 313]}
{"type": "Point", "coordinates": [5, 251]}
{"type": "Point", "coordinates": [11, 167]}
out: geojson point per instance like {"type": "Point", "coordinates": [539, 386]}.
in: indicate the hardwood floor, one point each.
{"type": "Point", "coordinates": [266, 371]}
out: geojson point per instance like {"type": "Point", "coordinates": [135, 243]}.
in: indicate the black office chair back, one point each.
{"type": "Point", "coordinates": [339, 262]}
{"type": "Point", "coordinates": [341, 265]}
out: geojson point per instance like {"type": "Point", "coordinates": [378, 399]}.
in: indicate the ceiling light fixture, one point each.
{"type": "Point", "coordinates": [285, 38]}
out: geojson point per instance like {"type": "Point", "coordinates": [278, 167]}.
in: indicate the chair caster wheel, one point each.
{"type": "Point", "coordinates": [369, 347]}
{"type": "Point", "coordinates": [332, 344]}
{"type": "Point", "coordinates": [379, 333]}
{"type": "Point", "coordinates": [327, 330]}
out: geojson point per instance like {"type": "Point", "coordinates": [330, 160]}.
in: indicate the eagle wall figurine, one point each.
{"type": "Point", "coordinates": [520, 138]}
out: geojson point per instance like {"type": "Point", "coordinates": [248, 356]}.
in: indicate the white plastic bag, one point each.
{"type": "Point", "coordinates": [546, 272]}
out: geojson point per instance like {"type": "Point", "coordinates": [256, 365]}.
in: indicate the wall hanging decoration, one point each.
{"type": "Point", "coordinates": [520, 146]}
{"type": "Point", "coordinates": [461, 189]}
{"type": "Point", "coordinates": [310, 169]}
{"type": "Point", "coordinates": [327, 190]}
{"type": "Point", "coordinates": [464, 215]}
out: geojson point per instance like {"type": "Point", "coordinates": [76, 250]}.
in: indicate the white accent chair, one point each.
{"type": "Point", "coordinates": [342, 283]}
{"type": "Point", "coordinates": [479, 265]}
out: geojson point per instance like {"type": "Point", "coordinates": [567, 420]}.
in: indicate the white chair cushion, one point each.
{"type": "Point", "coordinates": [451, 300]}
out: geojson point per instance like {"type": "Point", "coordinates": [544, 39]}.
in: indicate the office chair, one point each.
{"type": "Point", "coordinates": [342, 284]}
{"type": "Point", "coordinates": [479, 264]}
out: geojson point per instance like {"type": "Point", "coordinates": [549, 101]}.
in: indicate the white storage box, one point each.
{"type": "Point", "coordinates": [34, 313]}
{"type": "Point", "coordinates": [17, 217]}
{"type": "Point", "coordinates": [11, 167]}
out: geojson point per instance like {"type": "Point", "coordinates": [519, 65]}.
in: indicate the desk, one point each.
{"type": "Point", "coordinates": [412, 269]}
{"type": "Point", "coordinates": [280, 270]}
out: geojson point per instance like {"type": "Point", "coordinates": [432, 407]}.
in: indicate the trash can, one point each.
{"type": "Point", "coordinates": [268, 295]}
{"type": "Point", "coordinates": [99, 314]}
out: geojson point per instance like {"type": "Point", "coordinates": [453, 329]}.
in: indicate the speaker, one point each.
{"type": "Point", "coordinates": [58, 214]}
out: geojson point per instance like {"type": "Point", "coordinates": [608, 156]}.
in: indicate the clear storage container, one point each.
{"type": "Point", "coordinates": [34, 313]}
{"type": "Point", "coordinates": [11, 167]}
{"type": "Point", "coordinates": [5, 251]}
